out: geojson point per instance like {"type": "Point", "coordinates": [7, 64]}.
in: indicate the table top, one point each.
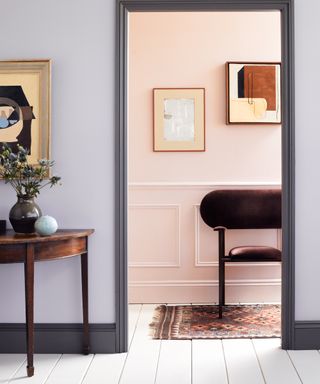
{"type": "Point", "coordinates": [10, 237]}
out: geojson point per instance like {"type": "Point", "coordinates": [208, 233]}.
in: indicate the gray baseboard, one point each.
{"type": "Point", "coordinates": [58, 338]}
{"type": "Point", "coordinates": [307, 335]}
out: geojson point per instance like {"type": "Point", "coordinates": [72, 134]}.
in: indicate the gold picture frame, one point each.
{"type": "Point", "coordinates": [179, 119]}
{"type": "Point", "coordinates": [25, 90]}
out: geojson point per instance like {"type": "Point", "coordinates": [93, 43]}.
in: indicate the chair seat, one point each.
{"type": "Point", "coordinates": [255, 253]}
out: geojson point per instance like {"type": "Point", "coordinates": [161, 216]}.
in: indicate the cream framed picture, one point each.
{"type": "Point", "coordinates": [253, 92]}
{"type": "Point", "coordinates": [25, 106]}
{"type": "Point", "coordinates": [178, 119]}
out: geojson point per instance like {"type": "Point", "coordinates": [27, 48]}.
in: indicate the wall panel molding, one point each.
{"type": "Point", "coordinates": [176, 263]}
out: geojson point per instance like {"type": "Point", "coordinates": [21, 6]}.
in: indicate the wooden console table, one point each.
{"type": "Point", "coordinates": [27, 249]}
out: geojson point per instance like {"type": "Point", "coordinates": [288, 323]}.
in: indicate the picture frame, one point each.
{"type": "Point", "coordinates": [25, 91]}
{"type": "Point", "coordinates": [179, 119]}
{"type": "Point", "coordinates": [253, 92]}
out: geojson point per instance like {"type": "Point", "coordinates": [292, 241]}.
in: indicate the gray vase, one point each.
{"type": "Point", "coordinates": [24, 214]}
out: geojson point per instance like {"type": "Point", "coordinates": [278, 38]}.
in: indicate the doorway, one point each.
{"type": "Point", "coordinates": [287, 150]}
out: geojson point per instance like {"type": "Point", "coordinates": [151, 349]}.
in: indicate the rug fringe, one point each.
{"type": "Point", "coordinates": [156, 319]}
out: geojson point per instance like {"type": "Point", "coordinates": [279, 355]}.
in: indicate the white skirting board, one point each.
{"type": "Point", "coordinates": [249, 291]}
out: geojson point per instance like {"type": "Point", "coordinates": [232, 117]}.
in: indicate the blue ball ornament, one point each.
{"type": "Point", "coordinates": [46, 225]}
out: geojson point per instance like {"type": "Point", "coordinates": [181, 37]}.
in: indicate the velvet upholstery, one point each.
{"type": "Point", "coordinates": [242, 209]}
{"type": "Point", "coordinates": [254, 253]}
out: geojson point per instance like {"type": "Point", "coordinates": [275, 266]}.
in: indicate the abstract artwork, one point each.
{"type": "Point", "coordinates": [253, 93]}
{"type": "Point", "coordinates": [25, 106]}
{"type": "Point", "coordinates": [179, 119]}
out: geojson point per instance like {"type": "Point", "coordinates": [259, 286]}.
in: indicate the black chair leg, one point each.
{"type": "Point", "coordinates": [221, 238]}
{"type": "Point", "coordinates": [221, 287]}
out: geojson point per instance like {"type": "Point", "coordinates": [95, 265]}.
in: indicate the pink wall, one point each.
{"type": "Point", "coordinates": [172, 254]}
{"type": "Point", "coordinates": [190, 50]}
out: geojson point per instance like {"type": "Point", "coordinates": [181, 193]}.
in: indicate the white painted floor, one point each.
{"type": "Point", "coordinates": [171, 362]}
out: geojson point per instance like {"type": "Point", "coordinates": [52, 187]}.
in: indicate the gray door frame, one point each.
{"type": "Point", "coordinates": [286, 7]}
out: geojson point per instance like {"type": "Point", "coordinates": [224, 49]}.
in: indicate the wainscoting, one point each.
{"type": "Point", "coordinates": [173, 255]}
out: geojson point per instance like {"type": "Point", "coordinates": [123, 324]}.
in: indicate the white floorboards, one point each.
{"type": "Point", "coordinates": [239, 354]}
{"type": "Point", "coordinates": [70, 369]}
{"type": "Point", "coordinates": [105, 369]}
{"type": "Point", "coordinates": [307, 364]}
{"type": "Point", "coordinates": [170, 362]}
{"type": "Point", "coordinates": [9, 365]}
{"type": "Point", "coordinates": [142, 360]}
{"type": "Point", "coordinates": [174, 362]}
{"type": "Point", "coordinates": [275, 362]}
{"type": "Point", "coordinates": [45, 365]}
{"type": "Point", "coordinates": [208, 362]}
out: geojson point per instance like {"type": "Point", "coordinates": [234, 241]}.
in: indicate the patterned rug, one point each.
{"type": "Point", "coordinates": [175, 322]}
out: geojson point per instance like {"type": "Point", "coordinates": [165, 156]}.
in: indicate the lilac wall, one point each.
{"type": "Point", "coordinates": [78, 36]}
{"type": "Point", "coordinates": [307, 160]}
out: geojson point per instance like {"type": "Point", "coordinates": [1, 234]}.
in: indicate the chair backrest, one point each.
{"type": "Point", "coordinates": [242, 209]}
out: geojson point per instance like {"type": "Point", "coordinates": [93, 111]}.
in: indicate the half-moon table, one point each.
{"type": "Point", "coordinates": [16, 248]}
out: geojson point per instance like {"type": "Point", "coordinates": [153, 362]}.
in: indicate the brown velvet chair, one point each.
{"type": "Point", "coordinates": [241, 209]}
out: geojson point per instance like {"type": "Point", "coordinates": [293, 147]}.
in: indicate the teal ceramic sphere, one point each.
{"type": "Point", "coordinates": [46, 225]}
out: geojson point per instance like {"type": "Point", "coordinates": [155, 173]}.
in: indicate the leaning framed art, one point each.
{"type": "Point", "coordinates": [253, 93]}
{"type": "Point", "coordinates": [25, 106]}
{"type": "Point", "coordinates": [178, 119]}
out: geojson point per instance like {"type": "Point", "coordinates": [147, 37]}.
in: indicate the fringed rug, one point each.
{"type": "Point", "coordinates": [175, 322]}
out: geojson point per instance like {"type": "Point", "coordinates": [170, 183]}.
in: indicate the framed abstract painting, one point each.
{"type": "Point", "coordinates": [25, 106]}
{"type": "Point", "coordinates": [253, 93]}
{"type": "Point", "coordinates": [178, 119]}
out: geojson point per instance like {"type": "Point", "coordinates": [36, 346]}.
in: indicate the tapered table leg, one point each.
{"type": "Point", "coordinates": [84, 278]}
{"type": "Point", "coordinates": [29, 292]}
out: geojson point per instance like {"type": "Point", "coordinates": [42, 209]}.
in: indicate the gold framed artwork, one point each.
{"type": "Point", "coordinates": [178, 119]}
{"type": "Point", "coordinates": [25, 106]}
{"type": "Point", "coordinates": [253, 93]}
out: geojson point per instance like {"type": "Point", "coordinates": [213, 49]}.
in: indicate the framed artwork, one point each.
{"type": "Point", "coordinates": [25, 106]}
{"type": "Point", "coordinates": [179, 119]}
{"type": "Point", "coordinates": [253, 93]}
